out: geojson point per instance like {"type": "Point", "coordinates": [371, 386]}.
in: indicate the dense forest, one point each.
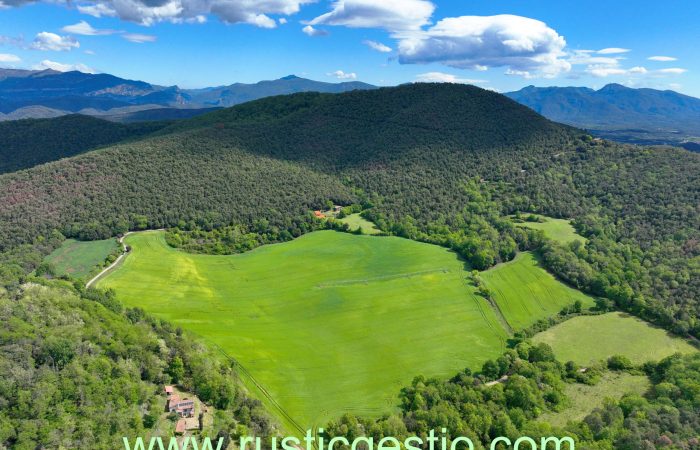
{"type": "Point", "coordinates": [30, 142]}
{"type": "Point", "coordinates": [78, 371]}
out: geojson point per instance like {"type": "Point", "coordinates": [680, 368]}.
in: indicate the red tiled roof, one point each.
{"type": "Point", "coordinates": [168, 389]}
{"type": "Point", "coordinates": [180, 426]}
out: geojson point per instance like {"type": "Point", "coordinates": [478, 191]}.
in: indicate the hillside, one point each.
{"type": "Point", "coordinates": [30, 142]}
{"type": "Point", "coordinates": [618, 112]}
{"type": "Point", "coordinates": [432, 162]}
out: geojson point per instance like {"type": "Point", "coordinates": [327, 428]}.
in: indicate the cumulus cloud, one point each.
{"type": "Point", "coordinates": [378, 46]}
{"type": "Point", "coordinates": [148, 12]}
{"type": "Point", "coordinates": [392, 15]}
{"type": "Point", "coordinates": [339, 74]}
{"type": "Point", "coordinates": [52, 42]}
{"type": "Point", "coordinates": [662, 58]}
{"type": "Point", "coordinates": [441, 77]}
{"type": "Point", "coordinates": [613, 51]}
{"type": "Point", "coordinates": [60, 67]}
{"type": "Point", "coordinates": [9, 58]}
{"type": "Point", "coordinates": [139, 38]}
{"type": "Point", "coordinates": [527, 47]}
{"type": "Point", "coordinates": [311, 31]}
{"type": "Point", "coordinates": [85, 29]}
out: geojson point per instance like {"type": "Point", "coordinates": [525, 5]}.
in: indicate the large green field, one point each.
{"type": "Point", "coordinates": [328, 323]}
{"type": "Point", "coordinates": [586, 339]}
{"type": "Point", "coordinates": [525, 292]}
{"type": "Point", "coordinates": [559, 230]}
{"type": "Point", "coordinates": [79, 258]}
{"type": "Point", "coordinates": [583, 399]}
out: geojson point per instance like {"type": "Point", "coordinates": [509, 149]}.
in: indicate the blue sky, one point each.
{"type": "Point", "coordinates": [498, 44]}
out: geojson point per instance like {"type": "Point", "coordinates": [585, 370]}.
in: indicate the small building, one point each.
{"type": "Point", "coordinates": [319, 215]}
{"type": "Point", "coordinates": [337, 208]}
{"type": "Point", "coordinates": [169, 391]}
{"type": "Point", "coordinates": [180, 426]}
{"type": "Point", "coordinates": [183, 408]}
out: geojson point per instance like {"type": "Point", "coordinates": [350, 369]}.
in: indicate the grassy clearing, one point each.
{"type": "Point", "coordinates": [525, 292]}
{"type": "Point", "coordinates": [584, 399]}
{"type": "Point", "coordinates": [559, 230]}
{"type": "Point", "coordinates": [328, 323]}
{"type": "Point", "coordinates": [587, 339]}
{"type": "Point", "coordinates": [80, 258]}
{"type": "Point", "coordinates": [356, 221]}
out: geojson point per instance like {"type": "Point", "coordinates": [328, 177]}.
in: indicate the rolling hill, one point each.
{"type": "Point", "coordinates": [618, 112]}
{"type": "Point", "coordinates": [439, 163]}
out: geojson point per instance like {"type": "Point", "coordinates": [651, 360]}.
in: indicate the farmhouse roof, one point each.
{"type": "Point", "coordinates": [180, 426]}
{"type": "Point", "coordinates": [168, 389]}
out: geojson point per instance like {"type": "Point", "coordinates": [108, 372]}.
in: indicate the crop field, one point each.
{"type": "Point", "coordinates": [586, 339]}
{"type": "Point", "coordinates": [79, 258]}
{"type": "Point", "coordinates": [328, 323]}
{"type": "Point", "coordinates": [356, 221]}
{"type": "Point", "coordinates": [525, 292]}
{"type": "Point", "coordinates": [584, 398]}
{"type": "Point", "coordinates": [559, 230]}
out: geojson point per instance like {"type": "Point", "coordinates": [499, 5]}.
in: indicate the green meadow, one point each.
{"type": "Point", "coordinates": [587, 339]}
{"type": "Point", "coordinates": [583, 399]}
{"type": "Point", "coordinates": [328, 323]}
{"type": "Point", "coordinates": [80, 258]}
{"type": "Point", "coordinates": [356, 221]}
{"type": "Point", "coordinates": [559, 230]}
{"type": "Point", "coordinates": [525, 292]}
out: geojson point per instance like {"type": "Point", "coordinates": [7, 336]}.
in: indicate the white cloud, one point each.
{"type": "Point", "coordinates": [85, 29]}
{"type": "Point", "coordinates": [378, 46]}
{"type": "Point", "coordinates": [311, 31]}
{"type": "Point", "coordinates": [527, 47]}
{"type": "Point", "coordinates": [139, 38]}
{"type": "Point", "coordinates": [339, 74]}
{"type": "Point", "coordinates": [662, 58]}
{"type": "Point", "coordinates": [672, 71]}
{"type": "Point", "coordinates": [97, 10]}
{"type": "Point", "coordinates": [60, 67]}
{"type": "Point", "coordinates": [9, 58]}
{"type": "Point", "coordinates": [440, 77]}
{"type": "Point", "coordinates": [613, 51]}
{"type": "Point", "coordinates": [52, 42]}
{"type": "Point", "coordinates": [89, 52]}
{"type": "Point", "coordinates": [638, 70]}
{"type": "Point", "coordinates": [282, 20]}
{"type": "Point", "coordinates": [392, 15]}
{"type": "Point", "coordinates": [149, 12]}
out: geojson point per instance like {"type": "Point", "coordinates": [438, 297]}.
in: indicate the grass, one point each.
{"type": "Point", "coordinates": [356, 221]}
{"type": "Point", "coordinates": [587, 339]}
{"type": "Point", "coordinates": [525, 292]}
{"type": "Point", "coordinates": [80, 258]}
{"type": "Point", "coordinates": [584, 399]}
{"type": "Point", "coordinates": [328, 323]}
{"type": "Point", "coordinates": [559, 230]}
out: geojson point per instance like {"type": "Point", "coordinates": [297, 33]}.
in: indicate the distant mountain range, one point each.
{"type": "Point", "coordinates": [642, 116]}
{"type": "Point", "coordinates": [47, 93]}
{"type": "Point", "coordinates": [646, 116]}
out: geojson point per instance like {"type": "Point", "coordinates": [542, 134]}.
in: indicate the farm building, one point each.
{"type": "Point", "coordinates": [169, 391]}
{"type": "Point", "coordinates": [180, 426]}
{"type": "Point", "coordinates": [319, 214]}
{"type": "Point", "coordinates": [184, 408]}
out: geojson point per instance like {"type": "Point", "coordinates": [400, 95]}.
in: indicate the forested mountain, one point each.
{"type": "Point", "coordinates": [439, 163]}
{"type": "Point", "coordinates": [47, 93]}
{"type": "Point", "coordinates": [27, 143]}
{"type": "Point", "coordinates": [645, 115]}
